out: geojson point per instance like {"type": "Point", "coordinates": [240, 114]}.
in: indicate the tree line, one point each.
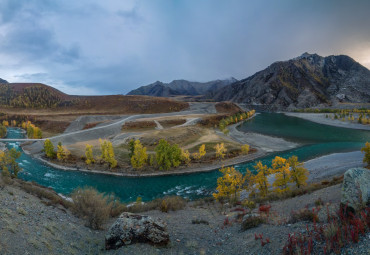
{"type": "Point", "coordinates": [234, 119]}
{"type": "Point", "coordinates": [286, 172]}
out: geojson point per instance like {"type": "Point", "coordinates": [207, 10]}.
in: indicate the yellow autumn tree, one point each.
{"type": "Point", "coordinates": [261, 178]}
{"type": "Point", "coordinates": [62, 152]}
{"type": "Point", "coordinates": [5, 123]}
{"type": "Point", "coordinates": [245, 149]}
{"type": "Point", "coordinates": [185, 156]}
{"type": "Point", "coordinates": [280, 167]}
{"type": "Point", "coordinates": [139, 157]}
{"type": "Point", "coordinates": [229, 185]}
{"type": "Point", "coordinates": [298, 173]}
{"type": "Point", "coordinates": [49, 149]}
{"type": "Point", "coordinates": [107, 153]}
{"type": "Point", "coordinates": [366, 150]}
{"type": "Point", "coordinates": [201, 152]}
{"type": "Point", "coordinates": [220, 150]}
{"type": "Point", "coordinates": [89, 154]}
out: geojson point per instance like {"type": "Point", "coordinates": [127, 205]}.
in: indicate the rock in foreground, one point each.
{"type": "Point", "coordinates": [356, 188]}
{"type": "Point", "coordinates": [132, 228]}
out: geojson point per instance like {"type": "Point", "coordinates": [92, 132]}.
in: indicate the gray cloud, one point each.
{"type": "Point", "coordinates": [90, 46]}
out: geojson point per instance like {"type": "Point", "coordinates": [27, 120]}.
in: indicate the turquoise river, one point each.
{"type": "Point", "coordinates": [315, 139]}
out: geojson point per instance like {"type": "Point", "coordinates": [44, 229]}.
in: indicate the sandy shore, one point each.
{"type": "Point", "coordinates": [325, 167]}
{"type": "Point", "coordinates": [321, 119]}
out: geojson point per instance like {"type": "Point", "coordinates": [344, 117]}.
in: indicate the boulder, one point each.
{"type": "Point", "coordinates": [133, 228]}
{"type": "Point", "coordinates": [356, 188]}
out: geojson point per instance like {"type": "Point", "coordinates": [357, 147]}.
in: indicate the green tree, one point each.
{"type": "Point", "coordinates": [366, 150]}
{"type": "Point", "coordinates": [9, 164]}
{"type": "Point", "coordinates": [167, 155]}
{"type": "Point", "coordinates": [89, 154]}
{"type": "Point", "coordinates": [49, 149]}
{"type": "Point", "coordinates": [2, 131]}
{"type": "Point", "coordinates": [139, 157]}
{"type": "Point", "coordinates": [131, 145]}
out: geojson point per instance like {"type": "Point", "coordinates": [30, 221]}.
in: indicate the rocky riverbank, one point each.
{"type": "Point", "coordinates": [321, 119]}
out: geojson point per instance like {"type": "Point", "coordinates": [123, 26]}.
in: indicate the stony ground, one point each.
{"type": "Point", "coordinates": [29, 226]}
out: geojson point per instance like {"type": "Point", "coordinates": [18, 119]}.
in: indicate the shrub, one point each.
{"type": "Point", "coordinates": [172, 203]}
{"type": "Point", "coordinates": [44, 193]}
{"type": "Point", "coordinates": [199, 221]}
{"type": "Point", "coordinates": [92, 206]}
{"type": "Point", "coordinates": [304, 215]}
{"type": "Point", "coordinates": [252, 222]}
{"type": "Point", "coordinates": [319, 202]}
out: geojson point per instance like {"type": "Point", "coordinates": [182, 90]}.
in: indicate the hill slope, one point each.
{"type": "Point", "coordinates": [3, 81]}
{"type": "Point", "coordinates": [305, 81]}
{"type": "Point", "coordinates": [181, 87]}
{"type": "Point", "coordinates": [37, 96]}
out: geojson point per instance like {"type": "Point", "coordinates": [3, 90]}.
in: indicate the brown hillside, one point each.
{"type": "Point", "coordinates": [30, 98]}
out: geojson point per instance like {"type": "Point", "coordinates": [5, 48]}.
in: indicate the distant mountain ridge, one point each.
{"type": "Point", "coordinates": [40, 96]}
{"type": "Point", "coordinates": [306, 81]}
{"type": "Point", "coordinates": [181, 87]}
{"type": "Point", "coordinates": [3, 81]}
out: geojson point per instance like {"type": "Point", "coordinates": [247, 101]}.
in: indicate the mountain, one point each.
{"type": "Point", "coordinates": [37, 96]}
{"type": "Point", "coordinates": [181, 87]}
{"type": "Point", "coordinates": [306, 81]}
{"type": "Point", "coordinates": [3, 81]}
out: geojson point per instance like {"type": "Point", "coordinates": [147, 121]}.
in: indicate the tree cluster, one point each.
{"type": "Point", "coordinates": [286, 172]}
{"type": "Point", "coordinates": [234, 119]}
{"type": "Point", "coordinates": [8, 163]}
{"type": "Point", "coordinates": [33, 132]}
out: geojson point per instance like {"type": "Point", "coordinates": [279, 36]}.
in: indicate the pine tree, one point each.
{"type": "Point", "coordinates": [139, 157]}
{"type": "Point", "coordinates": [89, 154]}
{"type": "Point", "coordinates": [49, 149]}
{"type": "Point", "coordinates": [220, 150]}
{"type": "Point", "coordinates": [261, 178]}
{"type": "Point", "coordinates": [298, 173]}
{"type": "Point", "coordinates": [280, 168]}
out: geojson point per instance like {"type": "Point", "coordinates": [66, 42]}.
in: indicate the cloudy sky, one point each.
{"type": "Point", "coordinates": [113, 46]}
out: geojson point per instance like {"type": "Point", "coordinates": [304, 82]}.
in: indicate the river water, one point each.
{"type": "Point", "coordinates": [316, 140]}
